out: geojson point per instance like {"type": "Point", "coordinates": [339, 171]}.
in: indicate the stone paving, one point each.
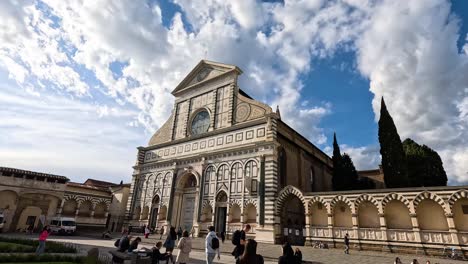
{"type": "Point", "coordinates": [270, 252]}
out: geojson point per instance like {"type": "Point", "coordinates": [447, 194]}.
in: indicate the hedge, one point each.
{"type": "Point", "coordinates": [29, 245]}
{"type": "Point", "coordinates": [14, 258]}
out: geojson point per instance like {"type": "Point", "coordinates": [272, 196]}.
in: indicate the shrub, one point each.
{"type": "Point", "coordinates": [42, 258]}
{"type": "Point", "coordinates": [28, 245]}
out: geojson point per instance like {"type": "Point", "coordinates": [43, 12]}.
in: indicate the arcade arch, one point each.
{"type": "Point", "coordinates": [319, 216]}
{"type": "Point", "coordinates": [186, 200]}
{"type": "Point", "coordinates": [342, 215]}
{"type": "Point", "coordinates": [368, 215]}
{"type": "Point", "coordinates": [460, 214]}
{"type": "Point", "coordinates": [431, 216]}
{"type": "Point", "coordinates": [397, 215]}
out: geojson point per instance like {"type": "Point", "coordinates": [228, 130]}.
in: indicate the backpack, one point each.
{"type": "Point", "coordinates": [215, 243]}
{"type": "Point", "coordinates": [236, 238]}
{"type": "Point", "coordinates": [117, 243]}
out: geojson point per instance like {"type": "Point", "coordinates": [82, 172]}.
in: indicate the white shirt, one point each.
{"type": "Point", "coordinates": [208, 248]}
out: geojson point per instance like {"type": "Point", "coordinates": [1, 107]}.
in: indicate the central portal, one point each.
{"type": "Point", "coordinates": [185, 201]}
{"type": "Point", "coordinates": [186, 219]}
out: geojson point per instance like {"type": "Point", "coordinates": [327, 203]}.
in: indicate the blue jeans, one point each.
{"type": "Point", "coordinates": [40, 249]}
{"type": "Point", "coordinates": [210, 257]}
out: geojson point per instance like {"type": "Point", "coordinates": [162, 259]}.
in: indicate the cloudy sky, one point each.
{"type": "Point", "coordinates": [83, 83]}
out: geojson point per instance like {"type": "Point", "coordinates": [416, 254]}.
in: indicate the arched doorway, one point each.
{"type": "Point", "coordinates": [293, 220]}
{"type": "Point", "coordinates": [185, 198]}
{"type": "Point", "coordinates": [221, 212]}
{"type": "Point", "coordinates": [154, 211]}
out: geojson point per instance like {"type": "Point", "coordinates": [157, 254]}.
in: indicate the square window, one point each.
{"type": "Point", "coordinates": [249, 134]}
{"type": "Point", "coordinates": [260, 132]}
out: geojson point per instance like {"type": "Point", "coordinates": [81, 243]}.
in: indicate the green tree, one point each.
{"type": "Point", "coordinates": [425, 167]}
{"type": "Point", "coordinates": [337, 172]}
{"type": "Point", "coordinates": [349, 174]}
{"type": "Point", "coordinates": [391, 149]}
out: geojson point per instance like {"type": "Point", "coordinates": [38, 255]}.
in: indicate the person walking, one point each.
{"type": "Point", "coordinates": [184, 246]}
{"type": "Point", "coordinates": [211, 245]}
{"type": "Point", "coordinates": [42, 239]}
{"type": "Point", "coordinates": [161, 232]}
{"type": "Point", "coordinates": [223, 236]}
{"type": "Point", "coordinates": [397, 261]}
{"type": "Point", "coordinates": [288, 255]}
{"type": "Point", "coordinates": [415, 261]}
{"type": "Point", "coordinates": [250, 255]}
{"type": "Point", "coordinates": [238, 240]}
{"type": "Point", "coordinates": [346, 242]}
{"type": "Point", "coordinates": [147, 231]}
{"type": "Point", "coordinates": [169, 244]}
{"type": "Point", "coordinates": [179, 233]}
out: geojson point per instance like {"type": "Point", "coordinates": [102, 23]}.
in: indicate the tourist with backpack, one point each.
{"type": "Point", "coordinates": [238, 240]}
{"type": "Point", "coordinates": [211, 245]}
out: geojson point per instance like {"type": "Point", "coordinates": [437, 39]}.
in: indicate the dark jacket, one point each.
{"type": "Point", "coordinates": [124, 244]}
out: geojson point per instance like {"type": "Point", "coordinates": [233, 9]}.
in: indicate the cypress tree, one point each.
{"type": "Point", "coordinates": [425, 167]}
{"type": "Point", "coordinates": [391, 149]}
{"type": "Point", "coordinates": [349, 173]}
{"type": "Point", "coordinates": [337, 173]}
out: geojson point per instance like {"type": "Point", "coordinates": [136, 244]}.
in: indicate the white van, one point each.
{"type": "Point", "coordinates": [63, 225]}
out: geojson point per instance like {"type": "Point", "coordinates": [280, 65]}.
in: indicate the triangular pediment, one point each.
{"type": "Point", "coordinates": [204, 71]}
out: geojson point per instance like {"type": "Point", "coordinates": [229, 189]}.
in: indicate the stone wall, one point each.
{"type": "Point", "coordinates": [403, 219]}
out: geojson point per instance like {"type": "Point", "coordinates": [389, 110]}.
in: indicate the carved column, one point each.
{"type": "Point", "coordinates": [171, 197]}
{"type": "Point", "coordinates": [261, 192]}
{"type": "Point", "coordinates": [308, 234]}
{"type": "Point", "coordinates": [354, 219]}
{"type": "Point", "coordinates": [59, 213]}
{"type": "Point", "coordinates": [78, 205]}
{"type": "Point", "coordinates": [93, 207]}
{"type": "Point", "coordinates": [383, 231]}
{"type": "Point", "coordinates": [452, 229]}
{"type": "Point", "coordinates": [330, 226]}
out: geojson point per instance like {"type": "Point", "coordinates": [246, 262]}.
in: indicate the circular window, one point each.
{"type": "Point", "coordinates": [200, 123]}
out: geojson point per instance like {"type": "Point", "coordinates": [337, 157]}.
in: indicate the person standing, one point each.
{"type": "Point", "coordinates": [169, 244]}
{"type": "Point", "coordinates": [250, 255]}
{"type": "Point", "coordinates": [397, 261]}
{"type": "Point", "coordinates": [147, 231]}
{"type": "Point", "coordinates": [42, 239]}
{"type": "Point", "coordinates": [239, 240]}
{"type": "Point", "coordinates": [184, 246]}
{"type": "Point", "coordinates": [346, 242]}
{"type": "Point", "coordinates": [211, 245]}
{"type": "Point", "coordinates": [161, 232]}
{"type": "Point", "coordinates": [298, 255]}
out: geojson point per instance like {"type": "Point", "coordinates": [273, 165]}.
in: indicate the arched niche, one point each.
{"type": "Point", "coordinates": [319, 216]}
{"type": "Point", "coordinates": [342, 215]}
{"type": "Point", "coordinates": [460, 214]}
{"type": "Point", "coordinates": [85, 208]}
{"type": "Point", "coordinates": [69, 208]}
{"type": "Point", "coordinates": [234, 214]}
{"type": "Point", "coordinates": [368, 215]}
{"type": "Point", "coordinates": [397, 215]}
{"type": "Point", "coordinates": [431, 216]}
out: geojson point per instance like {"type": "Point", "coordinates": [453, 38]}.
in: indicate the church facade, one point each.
{"type": "Point", "coordinates": [221, 159]}
{"type": "Point", "coordinates": [224, 159]}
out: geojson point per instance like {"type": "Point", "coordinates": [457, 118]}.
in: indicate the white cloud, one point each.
{"type": "Point", "coordinates": [57, 44]}
{"type": "Point", "coordinates": [41, 136]}
{"type": "Point", "coordinates": [413, 61]}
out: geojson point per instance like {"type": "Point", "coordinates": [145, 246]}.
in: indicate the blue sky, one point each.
{"type": "Point", "coordinates": [82, 85]}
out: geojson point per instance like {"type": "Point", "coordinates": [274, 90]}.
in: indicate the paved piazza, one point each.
{"type": "Point", "coordinates": [269, 251]}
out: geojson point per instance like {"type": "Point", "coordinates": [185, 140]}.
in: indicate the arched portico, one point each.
{"type": "Point", "coordinates": [291, 210]}
{"type": "Point", "coordinates": [221, 211]}
{"type": "Point", "coordinates": [155, 203]}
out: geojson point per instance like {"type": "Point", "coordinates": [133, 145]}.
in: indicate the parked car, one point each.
{"type": "Point", "coordinates": [63, 225]}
